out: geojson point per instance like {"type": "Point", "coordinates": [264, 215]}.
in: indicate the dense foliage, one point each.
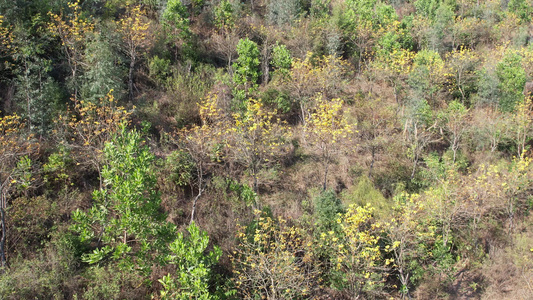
{"type": "Point", "coordinates": [267, 149]}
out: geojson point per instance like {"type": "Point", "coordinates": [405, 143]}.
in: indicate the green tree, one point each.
{"type": "Point", "coordinates": [245, 70]}
{"type": "Point", "coordinates": [521, 8]}
{"type": "Point", "coordinates": [125, 221]}
{"type": "Point", "coordinates": [520, 126]}
{"type": "Point", "coordinates": [175, 21]}
{"type": "Point", "coordinates": [364, 22]}
{"type": "Point", "coordinates": [37, 94]}
{"type": "Point", "coordinates": [427, 8]}
{"type": "Point", "coordinates": [281, 60]}
{"type": "Point", "coordinates": [427, 76]}
{"type": "Point", "coordinates": [225, 16]}
{"type": "Point", "coordinates": [408, 238]}
{"type": "Point", "coordinates": [194, 267]}
{"type": "Point", "coordinates": [13, 145]}
{"type": "Point", "coordinates": [102, 73]}
{"type": "Point", "coordinates": [419, 130]}
{"type": "Point", "coordinates": [326, 209]}
{"type": "Point", "coordinates": [440, 34]}
{"type": "Point", "coordinates": [512, 78]}
{"type": "Point", "coordinates": [281, 12]}
{"type": "Point", "coordinates": [455, 119]}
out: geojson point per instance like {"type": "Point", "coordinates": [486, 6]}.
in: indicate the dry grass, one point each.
{"type": "Point", "coordinates": [509, 270]}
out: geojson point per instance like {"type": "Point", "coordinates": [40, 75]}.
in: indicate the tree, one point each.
{"type": "Point", "coordinates": [444, 197]}
{"type": "Point", "coordinates": [512, 78]}
{"type": "Point", "coordinates": [274, 260]}
{"type": "Point", "coordinates": [490, 127]}
{"type": "Point", "coordinates": [363, 23]}
{"type": "Point", "coordinates": [440, 35]}
{"type": "Point", "coordinates": [226, 47]}
{"type": "Point", "coordinates": [427, 8]}
{"type": "Point", "coordinates": [102, 70]}
{"type": "Point", "coordinates": [281, 12]}
{"type": "Point", "coordinates": [7, 48]}
{"type": "Point", "coordinates": [376, 122]}
{"type": "Point", "coordinates": [462, 73]}
{"type": "Point", "coordinates": [418, 131]}
{"type": "Point", "coordinates": [13, 145]}
{"type": "Point", "coordinates": [307, 77]}
{"type": "Point", "coordinates": [327, 131]}
{"type": "Point", "coordinates": [37, 93]}
{"type": "Point", "coordinates": [268, 35]}
{"type": "Point", "coordinates": [301, 84]}
{"type": "Point", "coordinates": [407, 237]}
{"type": "Point", "coordinates": [125, 221]}
{"type": "Point", "coordinates": [520, 127]}
{"type": "Point", "coordinates": [395, 67]}
{"type": "Point", "coordinates": [359, 26]}
{"type": "Point", "coordinates": [356, 252]}
{"type": "Point", "coordinates": [89, 127]}
{"type": "Point", "coordinates": [133, 28]}
{"type": "Point", "coordinates": [194, 267]}
{"type": "Point", "coordinates": [521, 8]}
{"type": "Point", "coordinates": [175, 21]}
{"type": "Point", "coordinates": [73, 30]}
{"type": "Point", "coordinates": [456, 122]}
{"type": "Point", "coordinates": [257, 139]}
{"type": "Point", "coordinates": [327, 207]}
{"type": "Point", "coordinates": [200, 141]}
{"type": "Point", "coordinates": [281, 60]}
{"type": "Point", "coordinates": [245, 70]}
{"type": "Point", "coordinates": [225, 15]}
{"type": "Point", "coordinates": [427, 76]}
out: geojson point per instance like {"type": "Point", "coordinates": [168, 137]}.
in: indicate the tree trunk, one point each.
{"type": "Point", "coordinates": [415, 162]}
{"type": "Point", "coordinates": [326, 169]}
{"type": "Point", "coordinates": [373, 155]}
{"type": "Point", "coordinates": [130, 78]}
{"type": "Point", "coordinates": [302, 111]}
{"type": "Point", "coordinates": [3, 260]}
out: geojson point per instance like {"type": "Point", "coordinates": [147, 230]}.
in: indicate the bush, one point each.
{"type": "Point", "coordinates": [50, 274]}
{"type": "Point", "coordinates": [364, 193]}
{"type": "Point", "coordinates": [327, 208]}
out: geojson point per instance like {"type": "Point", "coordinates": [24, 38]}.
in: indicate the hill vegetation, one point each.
{"type": "Point", "coordinates": [266, 149]}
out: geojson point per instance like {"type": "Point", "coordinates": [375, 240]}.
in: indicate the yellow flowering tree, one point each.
{"type": "Point", "coordinates": [72, 29]}
{"type": "Point", "coordinates": [90, 126]}
{"type": "Point", "coordinates": [6, 40]}
{"type": "Point", "coordinates": [274, 260]}
{"type": "Point", "coordinates": [327, 131]}
{"type": "Point", "coordinates": [201, 143]}
{"type": "Point", "coordinates": [257, 138]}
{"type": "Point", "coordinates": [133, 27]}
{"type": "Point", "coordinates": [407, 238]}
{"type": "Point", "coordinates": [516, 180]}
{"type": "Point", "coordinates": [395, 67]}
{"type": "Point", "coordinates": [312, 75]}
{"type": "Point", "coordinates": [461, 71]}
{"type": "Point", "coordinates": [356, 256]}
{"type": "Point", "coordinates": [520, 128]}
